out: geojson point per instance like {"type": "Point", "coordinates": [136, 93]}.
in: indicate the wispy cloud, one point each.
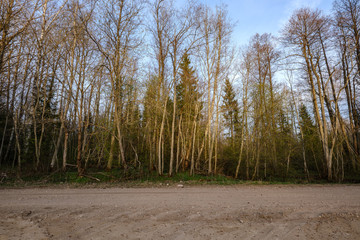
{"type": "Point", "coordinates": [296, 4]}
{"type": "Point", "coordinates": [303, 3]}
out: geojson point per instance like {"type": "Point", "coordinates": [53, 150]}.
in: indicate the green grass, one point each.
{"type": "Point", "coordinates": [132, 178]}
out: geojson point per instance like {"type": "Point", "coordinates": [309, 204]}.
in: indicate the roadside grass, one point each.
{"type": "Point", "coordinates": [131, 178]}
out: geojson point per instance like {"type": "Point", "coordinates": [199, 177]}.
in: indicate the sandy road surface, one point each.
{"type": "Point", "coordinates": [234, 212]}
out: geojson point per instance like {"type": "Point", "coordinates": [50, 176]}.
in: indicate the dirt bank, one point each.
{"type": "Point", "coordinates": [233, 212]}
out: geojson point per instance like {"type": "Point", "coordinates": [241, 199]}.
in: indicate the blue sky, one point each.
{"type": "Point", "coordinates": [263, 16]}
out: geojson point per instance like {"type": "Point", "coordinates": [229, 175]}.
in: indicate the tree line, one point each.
{"type": "Point", "coordinates": [150, 86]}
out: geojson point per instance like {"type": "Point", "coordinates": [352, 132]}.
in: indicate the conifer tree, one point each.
{"type": "Point", "coordinates": [189, 108]}
{"type": "Point", "coordinates": [311, 140]}
{"type": "Point", "coordinates": [230, 110]}
{"type": "Point", "coordinates": [187, 89]}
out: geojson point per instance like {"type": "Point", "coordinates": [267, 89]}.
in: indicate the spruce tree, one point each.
{"type": "Point", "coordinates": [230, 109]}
{"type": "Point", "coordinates": [311, 140]}
{"type": "Point", "coordinates": [187, 90]}
{"type": "Point", "coordinates": [189, 107]}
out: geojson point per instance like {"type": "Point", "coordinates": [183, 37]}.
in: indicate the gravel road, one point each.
{"type": "Point", "coordinates": [200, 212]}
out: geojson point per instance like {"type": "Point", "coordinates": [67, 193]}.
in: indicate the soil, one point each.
{"type": "Point", "coordinates": [175, 212]}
